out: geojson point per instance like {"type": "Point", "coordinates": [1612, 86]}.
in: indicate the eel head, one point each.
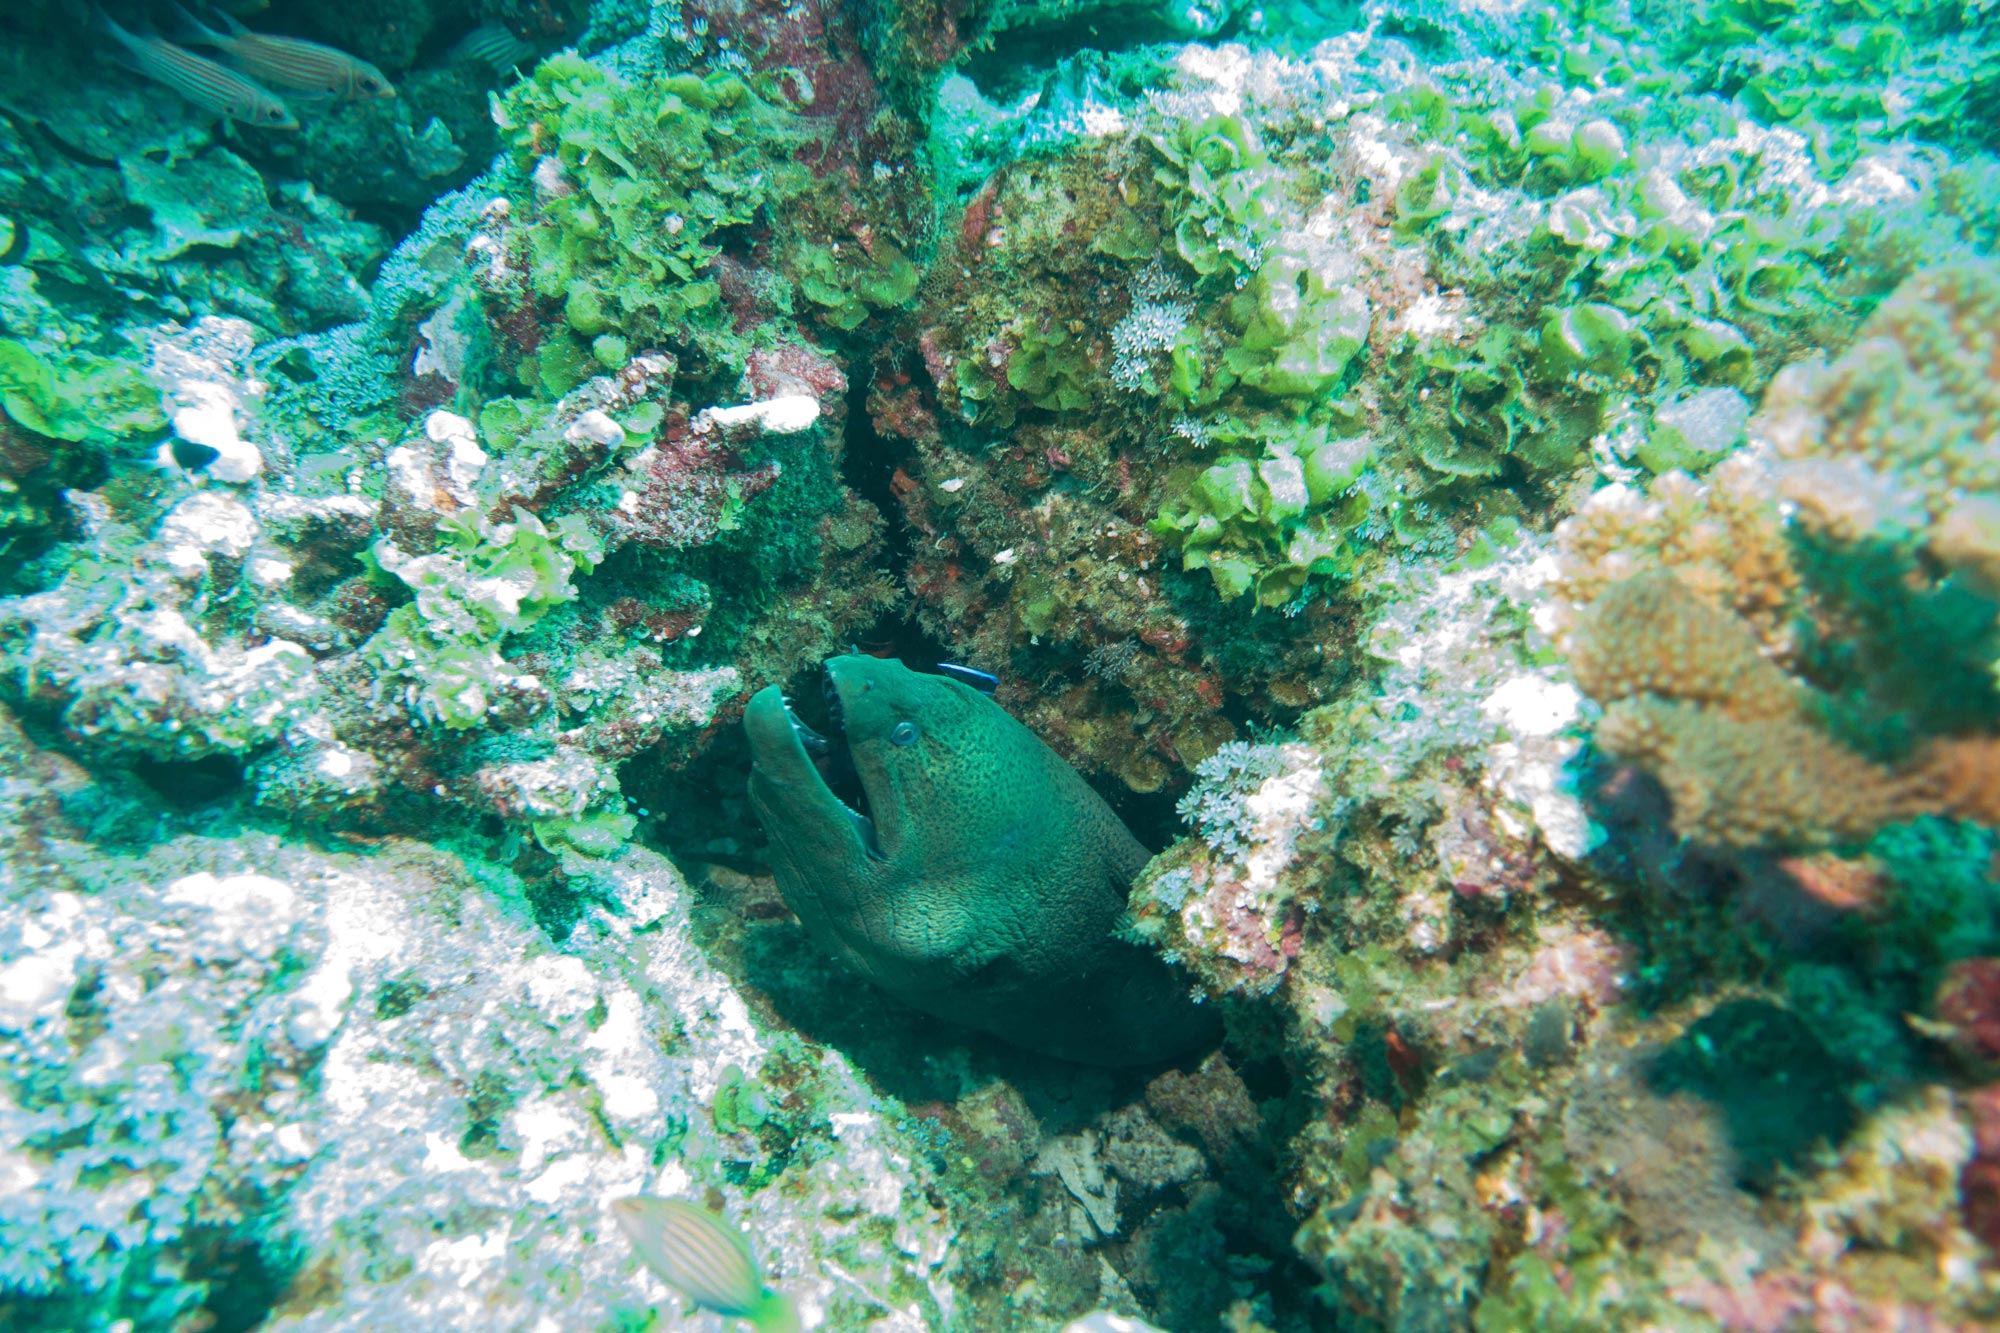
{"type": "Point", "coordinates": [884, 790]}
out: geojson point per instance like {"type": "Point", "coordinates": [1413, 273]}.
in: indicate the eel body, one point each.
{"type": "Point", "coordinates": [975, 875]}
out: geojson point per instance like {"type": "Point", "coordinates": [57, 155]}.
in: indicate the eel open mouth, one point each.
{"type": "Point", "coordinates": [833, 760]}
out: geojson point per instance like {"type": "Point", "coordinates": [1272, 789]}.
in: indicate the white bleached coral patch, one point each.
{"type": "Point", "coordinates": [207, 523]}
{"type": "Point", "coordinates": [785, 415]}
{"type": "Point", "coordinates": [1277, 812]}
{"type": "Point", "coordinates": [247, 916]}
{"type": "Point", "coordinates": [1531, 705]}
{"type": "Point", "coordinates": [196, 370]}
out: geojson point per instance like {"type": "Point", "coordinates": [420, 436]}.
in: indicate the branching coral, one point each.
{"type": "Point", "coordinates": [1721, 537]}
{"type": "Point", "coordinates": [1649, 634]}
{"type": "Point", "coordinates": [1741, 746]}
{"type": "Point", "coordinates": [1762, 782]}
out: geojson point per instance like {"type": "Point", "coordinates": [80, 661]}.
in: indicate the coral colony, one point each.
{"type": "Point", "coordinates": [930, 667]}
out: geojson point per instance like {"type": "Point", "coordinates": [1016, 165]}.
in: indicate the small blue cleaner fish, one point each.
{"type": "Point", "coordinates": [289, 62]}
{"type": "Point", "coordinates": [705, 1259]}
{"type": "Point", "coordinates": [199, 80]}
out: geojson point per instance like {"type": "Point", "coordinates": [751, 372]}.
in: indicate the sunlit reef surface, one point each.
{"type": "Point", "coordinates": [1503, 498]}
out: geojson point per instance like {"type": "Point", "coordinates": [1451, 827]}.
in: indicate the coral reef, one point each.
{"type": "Point", "coordinates": [1500, 500]}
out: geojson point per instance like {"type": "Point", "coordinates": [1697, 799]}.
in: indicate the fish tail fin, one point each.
{"type": "Point", "coordinates": [17, 239]}
{"type": "Point", "coordinates": [190, 29]}
{"type": "Point", "coordinates": [774, 1312]}
{"type": "Point", "coordinates": [230, 22]}
{"type": "Point", "coordinates": [129, 43]}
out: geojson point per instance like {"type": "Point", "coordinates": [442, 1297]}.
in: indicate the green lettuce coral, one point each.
{"type": "Point", "coordinates": [1220, 185]}
{"type": "Point", "coordinates": [485, 581]}
{"type": "Point", "coordinates": [635, 182]}
{"type": "Point", "coordinates": [848, 282]}
{"type": "Point", "coordinates": [76, 396]}
{"type": "Point", "coordinates": [1267, 521]}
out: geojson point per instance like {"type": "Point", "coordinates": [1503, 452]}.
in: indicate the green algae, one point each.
{"type": "Point", "coordinates": [486, 580]}
{"type": "Point", "coordinates": [1190, 429]}
{"type": "Point", "coordinates": [639, 181]}
{"type": "Point", "coordinates": [76, 396]}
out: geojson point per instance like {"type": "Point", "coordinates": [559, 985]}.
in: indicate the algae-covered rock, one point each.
{"type": "Point", "coordinates": [376, 1077]}
{"type": "Point", "coordinates": [1499, 498]}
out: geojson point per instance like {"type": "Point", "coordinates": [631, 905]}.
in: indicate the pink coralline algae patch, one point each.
{"type": "Point", "coordinates": [1780, 1302]}
{"type": "Point", "coordinates": [1979, 1182]}
{"type": "Point", "coordinates": [1968, 1003]}
{"type": "Point", "coordinates": [792, 370]}
{"type": "Point", "coordinates": [1577, 963]}
{"type": "Point", "coordinates": [1478, 859]}
{"type": "Point", "coordinates": [688, 486]}
{"type": "Point", "coordinates": [1249, 936]}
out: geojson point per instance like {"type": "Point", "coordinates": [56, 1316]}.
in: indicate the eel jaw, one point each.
{"type": "Point", "coordinates": [790, 761]}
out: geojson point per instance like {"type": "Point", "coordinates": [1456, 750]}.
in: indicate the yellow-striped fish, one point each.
{"type": "Point", "coordinates": [705, 1259]}
{"type": "Point", "coordinates": [199, 80]}
{"type": "Point", "coordinates": [289, 62]}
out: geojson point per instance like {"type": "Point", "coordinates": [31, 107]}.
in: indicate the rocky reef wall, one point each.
{"type": "Point", "coordinates": [1503, 499]}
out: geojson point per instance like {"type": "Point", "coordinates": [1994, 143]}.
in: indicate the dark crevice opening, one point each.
{"type": "Point", "coordinates": [1016, 61]}
{"type": "Point", "coordinates": [1237, 1209]}
{"type": "Point", "coordinates": [189, 784]}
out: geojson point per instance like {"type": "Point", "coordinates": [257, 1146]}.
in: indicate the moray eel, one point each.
{"type": "Point", "coordinates": [976, 877]}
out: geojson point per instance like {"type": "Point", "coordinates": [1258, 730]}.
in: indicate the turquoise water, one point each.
{"type": "Point", "coordinates": [1443, 773]}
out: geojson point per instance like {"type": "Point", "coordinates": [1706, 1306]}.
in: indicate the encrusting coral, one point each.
{"type": "Point", "coordinates": [1899, 436]}
{"type": "Point", "coordinates": [1696, 601]}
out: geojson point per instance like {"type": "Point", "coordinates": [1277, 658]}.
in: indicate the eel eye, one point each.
{"type": "Point", "coordinates": [903, 733]}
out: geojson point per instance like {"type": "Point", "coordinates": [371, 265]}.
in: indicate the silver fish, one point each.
{"type": "Point", "coordinates": [705, 1259]}
{"type": "Point", "coordinates": [199, 80]}
{"type": "Point", "coordinates": [290, 62]}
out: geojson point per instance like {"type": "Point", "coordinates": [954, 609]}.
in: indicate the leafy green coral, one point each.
{"type": "Point", "coordinates": [636, 181]}
{"type": "Point", "coordinates": [1219, 184]}
{"type": "Point", "coordinates": [77, 396]}
{"type": "Point", "coordinates": [1257, 364]}
{"type": "Point", "coordinates": [1479, 407]}
{"type": "Point", "coordinates": [1271, 513]}
{"type": "Point", "coordinates": [485, 581]}
{"type": "Point", "coordinates": [1052, 368]}
{"type": "Point", "coordinates": [594, 833]}
{"type": "Point", "coordinates": [1053, 365]}
{"type": "Point", "coordinates": [1848, 70]}
{"type": "Point", "coordinates": [1299, 327]}
{"type": "Point", "coordinates": [1649, 272]}
{"type": "Point", "coordinates": [848, 282]}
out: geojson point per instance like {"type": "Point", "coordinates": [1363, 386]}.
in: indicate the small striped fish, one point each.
{"type": "Point", "coordinates": [210, 86]}
{"type": "Point", "coordinates": [289, 62]}
{"type": "Point", "coordinates": [493, 45]}
{"type": "Point", "coordinates": [705, 1259]}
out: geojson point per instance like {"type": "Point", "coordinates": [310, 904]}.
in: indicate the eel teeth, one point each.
{"type": "Point", "coordinates": [812, 740]}
{"type": "Point", "coordinates": [831, 693]}
{"type": "Point", "coordinates": [870, 840]}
